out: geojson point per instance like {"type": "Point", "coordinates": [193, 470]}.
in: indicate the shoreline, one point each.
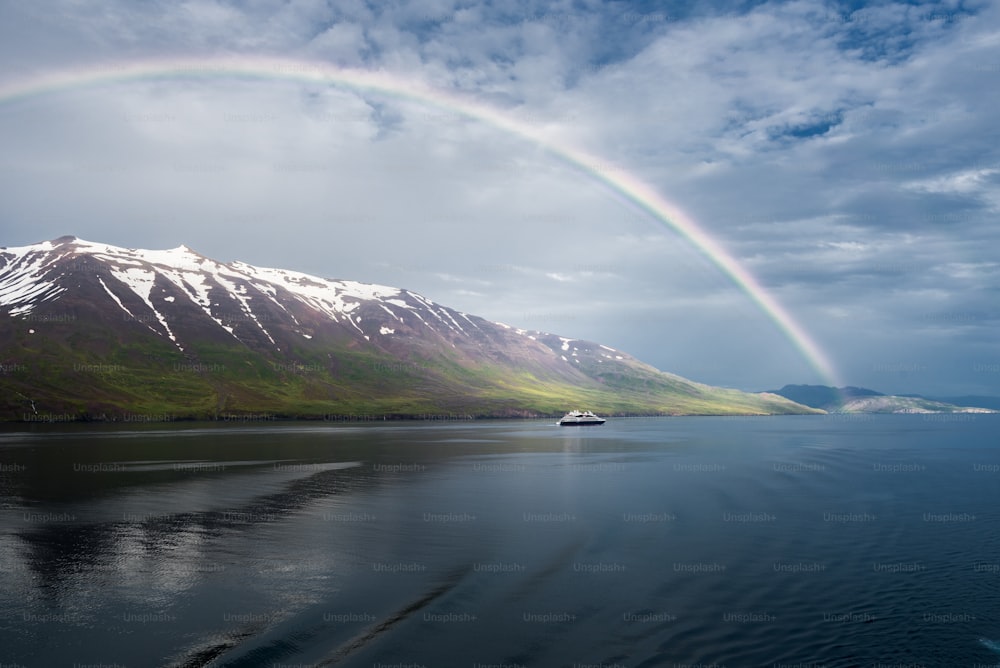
{"type": "Point", "coordinates": [262, 418]}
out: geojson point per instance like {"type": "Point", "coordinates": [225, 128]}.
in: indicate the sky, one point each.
{"type": "Point", "coordinates": [846, 155]}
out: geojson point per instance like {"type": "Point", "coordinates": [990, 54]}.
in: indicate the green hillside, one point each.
{"type": "Point", "coordinates": [153, 380]}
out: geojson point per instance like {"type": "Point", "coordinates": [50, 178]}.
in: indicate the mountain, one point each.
{"type": "Point", "coordinates": [93, 331]}
{"type": "Point", "coordinates": [897, 404]}
{"type": "Point", "coordinates": [823, 396]}
{"type": "Point", "coordinates": [973, 400]}
{"type": "Point", "coordinates": [862, 400]}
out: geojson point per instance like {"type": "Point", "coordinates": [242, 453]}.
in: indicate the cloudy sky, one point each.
{"type": "Point", "coordinates": [847, 155]}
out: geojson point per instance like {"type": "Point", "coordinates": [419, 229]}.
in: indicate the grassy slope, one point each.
{"type": "Point", "coordinates": [152, 378]}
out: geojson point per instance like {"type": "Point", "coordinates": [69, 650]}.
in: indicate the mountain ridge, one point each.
{"type": "Point", "coordinates": [94, 330]}
{"type": "Point", "coordinates": [863, 400]}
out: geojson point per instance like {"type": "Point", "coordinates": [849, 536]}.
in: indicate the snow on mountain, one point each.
{"type": "Point", "coordinates": [35, 274]}
{"type": "Point", "coordinates": [23, 278]}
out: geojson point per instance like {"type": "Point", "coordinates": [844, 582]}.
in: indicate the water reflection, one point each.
{"type": "Point", "coordinates": [381, 544]}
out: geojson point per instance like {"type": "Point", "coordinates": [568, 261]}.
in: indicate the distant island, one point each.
{"type": "Point", "coordinates": [91, 331]}
{"type": "Point", "coordinates": [861, 400]}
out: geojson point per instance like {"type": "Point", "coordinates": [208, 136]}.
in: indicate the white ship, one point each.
{"type": "Point", "coordinates": [580, 419]}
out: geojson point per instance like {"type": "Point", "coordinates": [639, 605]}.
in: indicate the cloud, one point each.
{"type": "Point", "coordinates": [847, 158]}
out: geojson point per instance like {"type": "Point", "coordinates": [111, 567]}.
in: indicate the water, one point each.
{"type": "Point", "coordinates": [786, 541]}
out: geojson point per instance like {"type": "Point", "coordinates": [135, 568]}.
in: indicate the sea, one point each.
{"type": "Point", "coordinates": [689, 542]}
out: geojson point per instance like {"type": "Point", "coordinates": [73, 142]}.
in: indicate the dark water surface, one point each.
{"type": "Point", "coordinates": [786, 541]}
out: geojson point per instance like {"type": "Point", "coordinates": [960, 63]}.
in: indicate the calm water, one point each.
{"type": "Point", "coordinates": [788, 541]}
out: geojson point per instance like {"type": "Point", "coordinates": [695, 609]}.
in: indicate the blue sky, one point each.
{"type": "Point", "coordinates": [846, 154]}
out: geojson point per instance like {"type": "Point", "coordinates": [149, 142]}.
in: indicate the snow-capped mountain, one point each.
{"type": "Point", "coordinates": [155, 288]}
{"type": "Point", "coordinates": [91, 329]}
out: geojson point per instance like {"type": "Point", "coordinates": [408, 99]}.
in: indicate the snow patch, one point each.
{"type": "Point", "coordinates": [327, 296]}
{"type": "Point", "coordinates": [141, 283]}
{"type": "Point", "coordinates": [114, 297]}
{"type": "Point", "coordinates": [471, 322]}
{"type": "Point", "coordinates": [243, 299]}
{"type": "Point", "coordinates": [197, 287]}
{"type": "Point", "coordinates": [390, 312]}
{"type": "Point", "coordinates": [397, 302]}
{"type": "Point", "coordinates": [455, 322]}
{"type": "Point", "coordinates": [22, 285]}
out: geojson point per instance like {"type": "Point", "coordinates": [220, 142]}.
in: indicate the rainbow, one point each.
{"type": "Point", "coordinates": [620, 181]}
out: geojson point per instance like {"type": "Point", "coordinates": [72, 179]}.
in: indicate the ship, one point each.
{"type": "Point", "coordinates": [580, 419]}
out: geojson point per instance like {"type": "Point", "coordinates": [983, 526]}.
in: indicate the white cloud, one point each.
{"type": "Point", "coordinates": [848, 159]}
